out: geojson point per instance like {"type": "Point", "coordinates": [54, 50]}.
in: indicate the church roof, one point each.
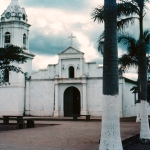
{"type": "Point", "coordinates": [14, 12]}
{"type": "Point", "coordinates": [71, 50]}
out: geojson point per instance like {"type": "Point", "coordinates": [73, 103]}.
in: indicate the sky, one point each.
{"type": "Point", "coordinates": [53, 21]}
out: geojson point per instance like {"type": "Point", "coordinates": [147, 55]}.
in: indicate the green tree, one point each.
{"type": "Point", "coordinates": [127, 12]}
{"type": "Point", "coordinates": [8, 55]}
{"type": "Point", "coordinates": [130, 59]}
{"type": "Point", "coordinates": [110, 132]}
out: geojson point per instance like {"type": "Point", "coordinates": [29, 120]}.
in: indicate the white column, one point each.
{"type": "Point", "coordinates": [56, 111]}
{"type": "Point", "coordinates": [84, 110]}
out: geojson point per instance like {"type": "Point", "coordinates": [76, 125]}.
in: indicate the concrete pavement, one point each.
{"type": "Point", "coordinates": [61, 135]}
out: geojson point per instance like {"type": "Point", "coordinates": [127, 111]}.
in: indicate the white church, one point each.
{"type": "Point", "coordinates": [72, 86]}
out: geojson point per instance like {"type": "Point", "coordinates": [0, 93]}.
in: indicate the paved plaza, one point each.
{"type": "Point", "coordinates": [60, 135]}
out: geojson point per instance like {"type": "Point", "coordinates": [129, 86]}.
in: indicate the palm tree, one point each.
{"type": "Point", "coordinates": [130, 59]}
{"type": "Point", "coordinates": [110, 133]}
{"type": "Point", "coordinates": [127, 12]}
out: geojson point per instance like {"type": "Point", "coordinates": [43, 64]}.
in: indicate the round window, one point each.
{"type": "Point", "coordinates": [8, 15]}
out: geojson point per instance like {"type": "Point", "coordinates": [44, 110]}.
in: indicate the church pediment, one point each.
{"type": "Point", "coordinates": [70, 50]}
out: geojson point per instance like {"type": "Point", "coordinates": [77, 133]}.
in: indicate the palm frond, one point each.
{"type": "Point", "coordinates": [126, 8]}
{"type": "Point", "coordinates": [101, 38]}
{"type": "Point", "coordinates": [146, 35]}
{"type": "Point", "coordinates": [98, 14]}
{"type": "Point", "coordinates": [134, 89]}
{"type": "Point", "coordinates": [129, 42]}
{"type": "Point", "coordinates": [126, 62]}
{"type": "Point", "coordinates": [122, 23]}
{"type": "Point", "coordinates": [148, 63]}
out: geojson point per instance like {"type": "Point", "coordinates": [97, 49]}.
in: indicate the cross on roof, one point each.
{"type": "Point", "coordinates": [71, 37]}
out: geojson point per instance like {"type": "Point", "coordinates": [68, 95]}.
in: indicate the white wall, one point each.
{"type": "Point", "coordinates": [94, 96]}
{"type": "Point", "coordinates": [12, 99]}
{"type": "Point", "coordinates": [41, 98]}
{"type": "Point", "coordinates": [129, 107]}
{"type": "Point", "coordinates": [70, 62]}
{"type": "Point", "coordinates": [93, 70]}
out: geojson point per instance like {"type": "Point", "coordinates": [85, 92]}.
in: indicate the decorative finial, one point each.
{"type": "Point", "coordinates": [71, 37]}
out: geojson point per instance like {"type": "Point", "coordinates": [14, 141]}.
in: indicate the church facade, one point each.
{"type": "Point", "coordinates": [72, 86]}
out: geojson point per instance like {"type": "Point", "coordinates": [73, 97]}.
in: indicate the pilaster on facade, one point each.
{"type": "Point", "coordinates": [60, 67]}
{"type": "Point", "coordinates": [27, 98]}
{"type": "Point", "coordinates": [57, 113]}
{"type": "Point", "coordinates": [56, 101]}
{"type": "Point", "coordinates": [81, 66]}
{"type": "Point", "coordinates": [84, 110]}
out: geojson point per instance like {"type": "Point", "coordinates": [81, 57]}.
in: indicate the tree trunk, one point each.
{"type": "Point", "coordinates": [110, 133]}
{"type": "Point", "coordinates": [138, 118]}
{"type": "Point", "coordinates": [144, 132]}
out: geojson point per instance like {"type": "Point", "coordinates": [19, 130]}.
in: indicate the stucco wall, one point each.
{"type": "Point", "coordinates": [93, 70]}
{"type": "Point", "coordinates": [70, 62]}
{"type": "Point", "coordinates": [15, 32]}
{"type": "Point", "coordinates": [12, 99]}
{"type": "Point", "coordinates": [94, 96]}
{"type": "Point", "coordinates": [40, 101]}
{"type": "Point", "coordinates": [48, 73]}
{"type": "Point", "coordinates": [129, 107]}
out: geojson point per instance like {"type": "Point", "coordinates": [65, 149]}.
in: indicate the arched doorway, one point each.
{"type": "Point", "coordinates": [71, 101]}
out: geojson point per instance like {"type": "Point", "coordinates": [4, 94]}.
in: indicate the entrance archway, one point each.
{"type": "Point", "coordinates": [71, 101]}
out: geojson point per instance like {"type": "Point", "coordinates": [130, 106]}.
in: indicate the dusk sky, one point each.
{"type": "Point", "coordinates": [52, 21]}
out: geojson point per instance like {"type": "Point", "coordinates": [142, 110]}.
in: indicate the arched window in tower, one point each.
{"type": "Point", "coordinates": [7, 37]}
{"type": "Point", "coordinates": [71, 72]}
{"type": "Point", "coordinates": [6, 75]}
{"type": "Point", "coordinates": [24, 41]}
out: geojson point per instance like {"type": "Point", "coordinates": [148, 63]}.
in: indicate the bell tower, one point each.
{"type": "Point", "coordinates": [14, 27]}
{"type": "Point", "coordinates": [14, 30]}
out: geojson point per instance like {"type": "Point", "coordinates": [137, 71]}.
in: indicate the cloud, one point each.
{"type": "Point", "coordinates": [87, 47]}
{"type": "Point", "coordinates": [3, 5]}
{"type": "Point", "coordinates": [54, 20]}
{"type": "Point", "coordinates": [67, 5]}
{"type": "Point", "coordinates": [46, 43]}
{"type": "Point", "coordinates": [42, 61]}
